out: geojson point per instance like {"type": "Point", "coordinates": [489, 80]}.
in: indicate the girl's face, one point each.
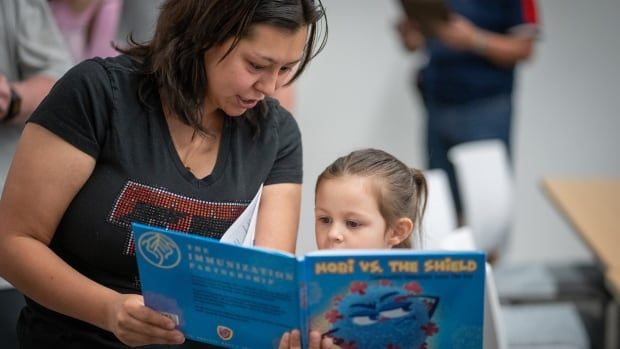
{"type": "Point", "coordinates": [259, 65]}
{"type": "Point", "coordinates": [347, 215]}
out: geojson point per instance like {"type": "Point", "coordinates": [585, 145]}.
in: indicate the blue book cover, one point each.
{"type": "Point", "coordinates": [241, 297]}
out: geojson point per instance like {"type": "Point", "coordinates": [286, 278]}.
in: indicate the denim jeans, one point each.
{"type": "Point", "coordinates": [449, 125]}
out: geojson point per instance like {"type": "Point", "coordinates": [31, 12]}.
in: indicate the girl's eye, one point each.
{"type": "Point", "coordinates": [324, 220]}
{"type": "Point", "coordinates": [285, 69]}
{"type": "Point", "coordinates": [353, 224]}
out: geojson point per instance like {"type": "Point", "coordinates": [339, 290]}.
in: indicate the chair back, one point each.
{"type": "Point", "coordinates": [461, 239]}
{"type": "Point", "coordinates": [486, 186]}
{"type": "Point", "coordinates": [440, 216]}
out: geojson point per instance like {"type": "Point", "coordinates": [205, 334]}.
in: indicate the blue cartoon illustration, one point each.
{"type": "Point", "coordinates": [382, 316]}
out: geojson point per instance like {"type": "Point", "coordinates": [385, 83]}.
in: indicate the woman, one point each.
{"type": "Point", "coordinates": [177, 132]}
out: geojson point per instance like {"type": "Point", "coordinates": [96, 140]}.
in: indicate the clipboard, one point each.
{"type": "Point", "coordinates": [426, 13]}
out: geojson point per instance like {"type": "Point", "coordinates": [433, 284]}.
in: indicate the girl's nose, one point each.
{"type": "Point", "coordinates": [335, 234]}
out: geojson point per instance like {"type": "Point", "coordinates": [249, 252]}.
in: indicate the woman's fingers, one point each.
{"type": "Point", "coordinates": [292, 340]}
{"type": "Point", "coordinates": [150, 316]}
{"type": "Point", "coordinates": [135, 324]}
{"type": "Point", "coordinates": [285, 341]}
{"type": "Point", "coordinates": [295, 339]}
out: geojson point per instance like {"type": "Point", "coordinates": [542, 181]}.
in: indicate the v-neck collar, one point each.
{"type": "Point", "coordinates": [222, 152]}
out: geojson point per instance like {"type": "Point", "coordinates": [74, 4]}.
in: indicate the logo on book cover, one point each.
{"type": "Point", "coordinates": [224, 332]}
{"type": "Point", "coordinates": [159, 250]}
{"type": "Point", "coordinates": [382, 315]}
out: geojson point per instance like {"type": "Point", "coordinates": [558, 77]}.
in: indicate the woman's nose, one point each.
{"type": "Point", "coordinates": [268, 83]}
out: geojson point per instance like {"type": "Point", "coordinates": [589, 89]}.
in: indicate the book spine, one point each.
{"type": "Point", "coordinates": [304, 327]}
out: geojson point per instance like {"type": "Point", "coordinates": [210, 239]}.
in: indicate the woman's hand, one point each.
{"type": "Point", "coordinates": [135, 324]}
{"type": "Point", "coordinates": [293, 341]}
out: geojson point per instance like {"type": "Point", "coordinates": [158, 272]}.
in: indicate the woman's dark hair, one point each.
{"type": "Point", "coordinates": [401, 191]}
{"type": "Point", "coordinates": [174, 59]}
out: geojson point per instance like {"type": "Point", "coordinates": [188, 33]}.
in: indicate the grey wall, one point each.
{"type": "Point", "coordinates": [358, 94]}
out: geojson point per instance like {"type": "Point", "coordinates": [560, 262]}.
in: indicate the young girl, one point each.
{"type": "Point", "coordinates": [368, 199]}
{"type": "Point", "coordinates": [365, 200]}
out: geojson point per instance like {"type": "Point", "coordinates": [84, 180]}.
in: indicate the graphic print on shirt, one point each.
{"type": "Point", "coordinates": [156, 206]}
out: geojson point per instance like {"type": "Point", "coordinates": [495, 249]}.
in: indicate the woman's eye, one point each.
{"type": "Point", "coordinates": [353, 224]}
{"type": "Point", "coordinates": [256, 66]}
{"type": "Point", "coordinates": [285, 69]}
{"type": "Point", "coordinates": [394, 313]}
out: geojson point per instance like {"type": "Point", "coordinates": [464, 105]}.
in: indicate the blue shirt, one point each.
{"type": "Point", "coordinates": [455, 77]}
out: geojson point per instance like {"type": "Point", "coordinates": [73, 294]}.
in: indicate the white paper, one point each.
{"type": "Point", "coordinates": [4, 285]}
{"type": "Point", "coordinates": [242, 231]}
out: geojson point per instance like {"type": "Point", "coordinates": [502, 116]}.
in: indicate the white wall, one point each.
{"type": "Point", "coordinates": [358, 93]}
{"type": "Point", "coordinates": [568, 121]}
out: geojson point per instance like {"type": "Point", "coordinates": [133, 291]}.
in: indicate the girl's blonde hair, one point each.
{"type": "Point", "coordinates": [401, 191]}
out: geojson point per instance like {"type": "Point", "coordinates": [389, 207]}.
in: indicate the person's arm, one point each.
{"type": "Point", "coordinates": [5, 97]}
{"type": "Point", "coordinates": [45, 175]}
{"type": "Point", "coordinates": [502, 49]}
{"type": "Point", "coordinates": [41, 58]}
{"type": "Point", "coordinates": [278, 217]}
{"type": "Point", "coordinates": [31, 91]}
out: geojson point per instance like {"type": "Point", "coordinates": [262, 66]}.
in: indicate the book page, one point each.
{"type": "Point", "coordinates": [242, 231]}
{"type": "Point", "coordinates": [216, 293]}
{"type": "Point", "coordinates": [4, 285]}
{"type": "Point", "coordinates": [399, 299]}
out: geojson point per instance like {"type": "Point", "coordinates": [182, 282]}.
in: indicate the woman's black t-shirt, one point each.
{"type": "Point", "coordinates": [139, 177]}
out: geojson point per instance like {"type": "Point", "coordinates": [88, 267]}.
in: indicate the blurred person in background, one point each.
{"type": "Point", "coordinates": [32, 57]}
{"type": "Point", "coordinates": [89, 27]}
{"type": "Point", "coordinates": [468, 80]}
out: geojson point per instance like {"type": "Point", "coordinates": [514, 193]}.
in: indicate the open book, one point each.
{"type": "Point", "coordinates": [239, 297]}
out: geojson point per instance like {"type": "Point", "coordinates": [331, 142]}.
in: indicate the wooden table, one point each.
{"type": "Point", "coordinates": [592, 206]}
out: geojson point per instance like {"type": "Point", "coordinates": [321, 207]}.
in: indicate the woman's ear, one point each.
{"type": "Point", "coordinates": [400, 231]}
